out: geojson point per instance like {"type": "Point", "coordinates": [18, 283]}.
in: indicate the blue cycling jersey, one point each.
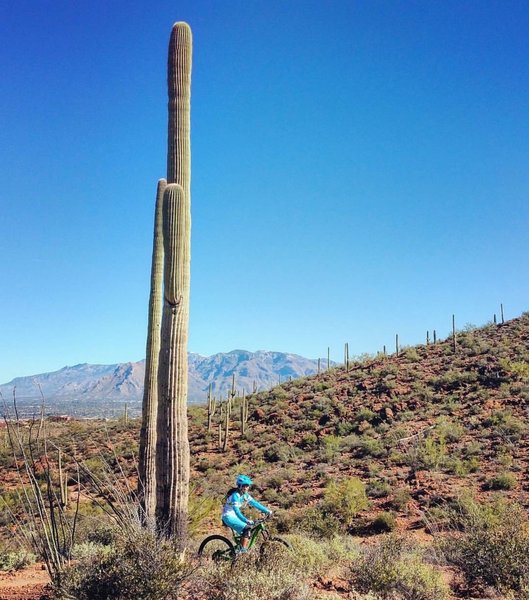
{"type": "Point", "coordinates": [235, 501]}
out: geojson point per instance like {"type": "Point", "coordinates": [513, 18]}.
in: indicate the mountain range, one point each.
{"type": "Point", "coordinates": [104, 390]}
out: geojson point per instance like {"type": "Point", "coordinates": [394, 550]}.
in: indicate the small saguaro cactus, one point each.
{"type": "Point", "coordinates": [454, 341]}
{"type": "Point", "coordinates": [244, 413]}
{"type": "Point", "coordinates": [397, 348]}
{"type": "Point", "coordinates": [212, 407]}
{"type": "Point", "coordinates": [346, 356]}
{"type": "Point", "coordinates": [221, 422]}
{"type": "Point", "coordinates": [227, 417]}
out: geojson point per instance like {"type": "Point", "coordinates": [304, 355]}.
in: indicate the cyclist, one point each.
{"type": "Point", "coordinates": [232, 516]}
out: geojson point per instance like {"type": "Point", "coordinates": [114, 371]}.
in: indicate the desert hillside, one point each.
{"type": "Point", "coordinates": [386, 444]}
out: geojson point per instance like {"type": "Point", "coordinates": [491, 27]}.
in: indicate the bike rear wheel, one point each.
{"type": "Point", "coordinates": [216, 548]}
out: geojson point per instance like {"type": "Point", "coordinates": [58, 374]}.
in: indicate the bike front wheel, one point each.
{"type": "Point", "coordinates": [216, 548]}
{"type": "Point", "coordinates": [274, 547]}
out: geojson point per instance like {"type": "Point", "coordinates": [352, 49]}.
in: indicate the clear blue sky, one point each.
{"type": "Point", "coordinates": [360, 168]}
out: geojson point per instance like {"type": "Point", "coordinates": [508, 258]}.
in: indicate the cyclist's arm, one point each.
{"type": "Point", "coordinates": [254, 504]}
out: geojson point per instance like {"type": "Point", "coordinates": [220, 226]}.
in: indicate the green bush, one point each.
{"type": "Point", "coordinates": [383, 523]}
{"type": "Point", "coordinates": [502, 481]}
{"type": "Point", "coordinates": [270, 579]}
{"type": "Point", "coordinates": [392, 569]}
{"type": "Point", "coordinates": [138, 565]}
{"type": "Point", "coordinates": [345, 499]}
{"type": "Point", "coordinates": [378, 489]}
{"type": "Point", "coordinates": [493, 548]}
{"type": "Point", "coordinates": [14, 561]}
{"type": "Point", "coordinates": [317, 521]}
{"type": "Point", "coordinates": [401, 499]}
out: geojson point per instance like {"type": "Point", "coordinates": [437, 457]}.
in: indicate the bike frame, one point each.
{"type": "Point", "coordinates": [257, 529]}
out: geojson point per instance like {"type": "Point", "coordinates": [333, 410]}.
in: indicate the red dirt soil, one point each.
{"type": "Point", "coordinates": [27, 584]}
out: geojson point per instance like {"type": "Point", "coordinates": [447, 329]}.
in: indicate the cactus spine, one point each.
{"type": "Point", "coordinates": [172, 449]}
{"type": "Point", "coordinates": [147, 458]}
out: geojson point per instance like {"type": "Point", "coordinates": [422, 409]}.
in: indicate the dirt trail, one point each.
{"type": "Point", "coordinates": [27, 584]}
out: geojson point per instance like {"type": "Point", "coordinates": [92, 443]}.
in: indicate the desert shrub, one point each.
{"type": "Point", "coordinates": [138, 565]}
{"type": "Point", "coordinates": [371, 447]}
{"type": "Point", "coordinates": [505, 425]}
{"type": "Point", "coordinates": [401, 498]}
{"type": "Point", "coordinates": [317, 521]}
{"type": "Point", "coordinates": [461, 467]}
{"type": "Point", "coordinates": [393, 569]}
{"type": "Point", "coordinates": [383, 522]}
{"type": "Point", "coordinates": [452, 380]}
{"type": "Point", "coordinates": [309, 555]}
{"type": "Point", "coordinates": [378, 489]}
{"type": "Point", "coordinates": [501, 481]}
{"type": "Point", "coordinates": [87, 550]}
{"type": "Point", "coordinates": [365, 414]}
{"type": "Point", "coordinates": [309, 441]}
{"type": "Point", "coordinates": [412, 355]}
{"type": "Point", "coordinates": [14, 561]}
{"type": "Point", "coordinates": [493, 548]}
{"type": "Point", "coordinates": [450, 431]}
{"type": "Point", "coordinates": [330, 447]}
{"type": "Point", "coordinates": [315, 557]}
{"type": "Point", "coordinates": [345, 499]}
{"type": "Point", "coordinates": [279, 452]}
{"type": "Point", "coordinates": [274, 578]}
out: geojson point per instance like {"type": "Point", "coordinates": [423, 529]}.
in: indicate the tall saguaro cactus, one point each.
{"type": "Point", "coordinates": [172, 447]}
{"type": "Point", "coordinates": [147, 466]}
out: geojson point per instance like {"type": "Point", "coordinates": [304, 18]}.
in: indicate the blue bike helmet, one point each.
{"type": "Point", "coordinates": [243, 480]}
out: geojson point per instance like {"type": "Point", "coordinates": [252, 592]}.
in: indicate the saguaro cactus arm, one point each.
{"type": "Point", "coordinates": [147, 454]}
{"type": "Point", "coordinates": [172, 465]}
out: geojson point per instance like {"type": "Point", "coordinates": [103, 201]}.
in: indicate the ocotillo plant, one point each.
{"type": "Point", "coordinates": [147, 453]}
{"type": "Point", "coordinates": [172, 447]}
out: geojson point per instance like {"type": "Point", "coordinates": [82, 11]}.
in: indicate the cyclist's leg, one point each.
{"type": "Point", "coordinates": [242, 528]}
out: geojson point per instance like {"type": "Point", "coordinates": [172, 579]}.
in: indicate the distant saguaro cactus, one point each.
{"type": "Point", "coordinates": [172, 448]}
{"type": "Point", "coordinates": [244, 413]}
{"type": "Point", "coordinates": [212, 406]}
{"type": "Point", "coordinates": [227, 417]}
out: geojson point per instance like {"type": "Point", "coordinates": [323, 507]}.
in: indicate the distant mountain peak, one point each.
{"type": "Point", "coordinates": [93, 390]}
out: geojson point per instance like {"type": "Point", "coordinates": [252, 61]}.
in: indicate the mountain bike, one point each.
{"type": "Point", "coordinates": [219, 548]}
